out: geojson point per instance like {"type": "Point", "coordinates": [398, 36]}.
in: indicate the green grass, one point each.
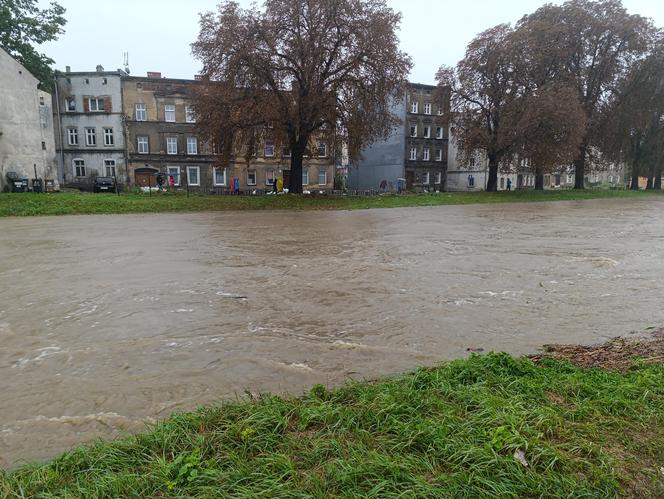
{"type": "Point", "coordinates": [85, 204]}
{"type": "Point", "coordinates": [447, 431]}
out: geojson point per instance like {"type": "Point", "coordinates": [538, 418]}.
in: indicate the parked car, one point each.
{"type": "Point", "coordinates": [104, 184]}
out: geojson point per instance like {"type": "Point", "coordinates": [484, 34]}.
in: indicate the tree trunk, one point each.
{"type": "Point", "coordinates": [657, 184]}
{"type": "Point", "coordinates": [297, 155]}
{"type": "Point", "coordinates": [580, 168]}
{"type": "Point", "coordinates": [635, 178]}
{"type": "Point", "coordinates": [492, 182]}
{"type": "Point", "coordinates": [539, 182]}
{"type": "Point", "coordinates": [649, 186]}
{"type": "Point", "coordinates": [651, 174]}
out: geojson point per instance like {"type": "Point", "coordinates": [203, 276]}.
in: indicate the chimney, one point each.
{"type": "Point", "coordinates": [100, 68]}
{"type": "Point", "coordinates": [67, 69]}
{"type": "Point", "coordinates": [154, 74]}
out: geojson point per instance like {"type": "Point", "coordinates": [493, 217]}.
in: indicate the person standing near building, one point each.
{"type": "Point", "coordinates": [509, 184]}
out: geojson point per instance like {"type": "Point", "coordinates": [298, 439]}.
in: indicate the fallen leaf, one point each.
{"type": "Point", "coordinates": [520, 456]}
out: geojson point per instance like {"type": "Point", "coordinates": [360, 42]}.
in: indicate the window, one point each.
{"type": "Point", "coordinates": [285, 152]}
{"type": "Point", "coordinates": [427, 108]}
{"type": "Point", "coordinates": [427, 132]}
{"type": "Point", "coordinates": [472, 162]}
{"type": "Point", "coordinates": [171, 145]}
{"type": "Point", "coordinates": [70, 104]}
{"type": "Point", "coordinates": [439, 154]}
{"type": "Point", "coordinates": [471, 181]}
{"type": "Point", "coordinates": [41, 100]}
{"type": "Point", "coordinates": [413, 130]}
{"type": "Point", "coordinates": [79, 168]}
{"type": "Point", "coordinates": [109, 167]}
{"type": "Point", "coordinates": [104, 81]}
{"type": "Point", "coordinates": [169, 113]}
{"type": "Point", "coordinates": [43, 145]}
{"type": "Point", "coordinates": [570, 179]}
{"type": "Point", "coordinates": [174, 171]}
{"type": "Point", "coordinates": [189, 115]}
{"type": "Point", "coordinates": [193, 175]}
{"type": "Point", "coordinates": [425, 154]}
{"type": "Point", "coordinates": [305, 176]}
{"type": "Point", "coordinates": [617, 179]}
{"type": "Point", "coordinates": [143, 145]}
{"type": "Point", "coordinates": [270, 175]}
{"type": "Point", "coordinates": [72, 136]}
{"type": "Point", "coordinates": [251, 177]}
{"type": "Point", "coordinates": [108, 137]}
{"type": "Point", "coordinates": [439, 177]}
{"type": "Point", "coordinates": [425, 178]}
{"type": "Point", "coordinates": [141, 114]}
{"type": "Point", "coordinates": [268, 150]}
{"type": "Point", "coordinates": [502, 182]}
{"type": "Point", "coordinates": [322, 177]}
{"type": "Point", "coordinates": [219, 176]}
{"type": "Point", "coordinates": [90, 137]}
{"type": "Point", "coordinates": [96, 105]}
{"type": "Point", "coordinates": [413, 153]}
{"type": "Point", "coordinates": [322, 150]}
{"type": "Point", "coordinates": [440, 111]}
{"type": "Point", "coordinates": [414, 107]}
{"type": "Point", "coordinates": [192, 145]}
{"type": "Point", "coordinates": [439, 132]}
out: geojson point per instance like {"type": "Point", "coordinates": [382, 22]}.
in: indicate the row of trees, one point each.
{"type": "Point", "coordinates": [570, 84]}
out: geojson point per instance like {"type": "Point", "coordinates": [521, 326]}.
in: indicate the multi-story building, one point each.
{"type": "Point", "coordinates": [415, 152]}
{"type": "Point", "coordinates": [162, 141]}
{"type": "Point", "coordinates": [90, 129]}
{"type": "Point", "coordinates": [26, 125]}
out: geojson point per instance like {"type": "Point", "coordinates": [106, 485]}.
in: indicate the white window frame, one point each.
{"type": "Point", "coordinates": [426, 154]}
{"type": "Point", "coordinates": [427, 132]}
{"type": "Point", "coordinates": [305, 176]}
{"type": "Point", "coordinates": [70, 104]}
{"type": "Point", "coordinates": [140, 142]}
{"type": "Point", "coordinates": [110, 163]}
{"type": "Point", "coordinates": [76, 167]}
{"type": "Point", "coordinates": [90, 133]}
{"type": "Point", "coordinates": [322, 145]}
{"type": "Point", "coordinates": [140, 112]}
{"type": "Point", "coordinates": [414, 107]}
{"type": "Point", "coordinates": [197, 169]}
{"type": "Point", "coordinates": [413, 153]}
{"type": "Point", "coordinates": [192, 146]}
{"type": "Point", "coordinates": [169, 110]}
{"type": "Point", "coordinates": [189, 115]}
{"type": "Point", "coordinates": [72, 136]}
{"type": "Point", "coordinates": [324, 173]}
{"type": "Point", "coordinates": [175, 172]}
{"type": "Point", "coordinates": [286, 152]}
{"type": "Point", "coordinates": [425, 178]}
{"type": "Point", "coordinates": [171, 141]}
{"type": "Point", "coordinates": [427, 108]}
{"type": "Point", "coordinates": [439, 155]}
{"type": "Point", "coordinates": [268, 180]}
{"type": "Point", "coordinates": [268, 146]}
{"type": "Point", "coordinates": [108, 134]}
{"type": "Point", "coordinates": [251, 172]}
{"type": "Point", "coordinates": [440, 111]}
{"type": "Point", "coordinates": [413, 130]}
{"type": "Point", "coordinates": [96, 100]}
{"type": "Point", "coordinates": [214, 177]}
{"type": "Point", "coordinates": [439, 132]}
{"type": "Point", "coordinates": [439, 178]}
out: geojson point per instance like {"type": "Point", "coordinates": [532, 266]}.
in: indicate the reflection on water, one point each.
{"type": "Point", "coordinates": [110, 321]}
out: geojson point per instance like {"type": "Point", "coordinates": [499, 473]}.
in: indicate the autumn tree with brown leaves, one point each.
{"type": "Point", "coordinates": [296, 71]}
{"type": "Point", "coordinates": [590, 45]}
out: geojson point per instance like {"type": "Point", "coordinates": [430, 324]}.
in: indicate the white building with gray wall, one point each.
{"type": "Point", "coordinates": [90, 132]}
{"type": "Point", "coordinates": [26, 124]}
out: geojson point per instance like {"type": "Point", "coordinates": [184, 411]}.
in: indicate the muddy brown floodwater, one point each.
{"type": "Point", "coordinates": [110, 321]}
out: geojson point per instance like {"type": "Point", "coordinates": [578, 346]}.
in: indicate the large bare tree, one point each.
{"type": "Point", "coordinates": [592, 45]}
{"type": "Point", "coordinates": [297, 70]}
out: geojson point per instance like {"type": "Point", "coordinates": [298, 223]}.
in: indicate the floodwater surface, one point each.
{"type": "Point", "coordinates": [110, 321]}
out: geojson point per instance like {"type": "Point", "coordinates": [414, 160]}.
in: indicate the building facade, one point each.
{"type": "Point", "coordinates": [416, 153]}
{"type": "Point", "coordinates": [26, 125]}
{"type": "Point", "coordinates": [90, 132]}
{"type": "Point", "coordinates": [163, 145]}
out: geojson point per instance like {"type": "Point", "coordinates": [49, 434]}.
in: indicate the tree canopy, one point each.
{"type": "Point", "coordinates": [23, 26]}
{"type": "Point", "coordinates": [297, 70]}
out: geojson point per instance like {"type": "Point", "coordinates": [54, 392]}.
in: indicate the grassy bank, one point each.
{"type": "Point", "coordinates": [85, 204]}
{"type": "Point", "coordinates": [488, 426]}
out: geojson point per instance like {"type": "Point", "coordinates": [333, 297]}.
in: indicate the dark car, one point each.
{"type": "Point", "coordinates": [104, 184]}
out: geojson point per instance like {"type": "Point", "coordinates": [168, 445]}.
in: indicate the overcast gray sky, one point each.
{"type": "Point", "coordinates": [158, 33]}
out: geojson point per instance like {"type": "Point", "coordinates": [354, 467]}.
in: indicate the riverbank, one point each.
{"type": "Point", "coordinates": [87, 204]}
{"type": "Point", "coordinates": [490, 425]}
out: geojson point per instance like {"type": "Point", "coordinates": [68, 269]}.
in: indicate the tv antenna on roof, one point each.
{"type": "Point", "coordinates": [126, 63]}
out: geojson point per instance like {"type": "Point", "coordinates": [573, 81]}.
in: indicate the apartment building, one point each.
{"type": "Point", "coordinates": [416, 152]}
{"type": "Point", "coordinates": [26, 125]}
{"type": "Point", "coordinates": [89, 126]}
